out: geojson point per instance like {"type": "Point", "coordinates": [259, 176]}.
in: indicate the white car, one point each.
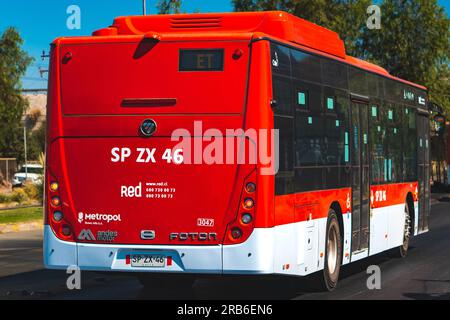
{"type": "Point", "coordinates": [28, 172]}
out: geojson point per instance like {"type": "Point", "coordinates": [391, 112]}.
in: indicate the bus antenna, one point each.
{"type": "Point", "coordinates": [144, 7]}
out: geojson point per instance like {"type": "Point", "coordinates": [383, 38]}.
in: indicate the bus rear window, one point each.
{"type": "Point", "coordinates": [201, 60]}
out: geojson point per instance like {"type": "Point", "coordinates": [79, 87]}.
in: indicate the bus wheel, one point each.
{"type": "Point", "coordinates": [403, 250]}
{"type": "Point", "coordinates": [333, 252]}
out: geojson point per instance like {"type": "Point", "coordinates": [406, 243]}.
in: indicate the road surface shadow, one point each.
{"type": "Point", "coordinates": [428, 296]}
{"type": "Point", "coordinates": [51, 284]}
{"type": "Point", "coordinates": [260, 287]}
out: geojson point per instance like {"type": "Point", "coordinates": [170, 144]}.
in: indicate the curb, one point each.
{"type": "Point", "coordinates": [19, 227]}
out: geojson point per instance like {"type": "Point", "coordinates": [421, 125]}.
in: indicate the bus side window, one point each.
{"type": "Point", "coordinates": [395, 146]}
{"type": "Point", "coordinates": [302, 99]}
{"type": "Point", "coordinates": [283, 116]}
{"type": "Point", "coordinates": [281, 79]}
{"type": "Point", "coordinates": [376, 144]}
{"type": "Point", "coordinates": [282, 95]}
{"type": "Point", "coordinates": [409, 138]}
{"type": "Point", "coordinates": [357, 81]}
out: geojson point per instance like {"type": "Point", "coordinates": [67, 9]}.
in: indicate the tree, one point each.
{"type": "Point", "coordinates": [169, 6]}
{"type": "Point", "coordinates": [413, 44]}
{"type": "Point", "coordinates": [440, 88]}
{"type": "Point", "coordinates": [36, 141]}
{"type": "Point", "coordinates": [13, 64]}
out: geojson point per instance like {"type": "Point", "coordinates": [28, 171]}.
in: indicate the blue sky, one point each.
{"type": "Point", "coordinates": [40, 21]}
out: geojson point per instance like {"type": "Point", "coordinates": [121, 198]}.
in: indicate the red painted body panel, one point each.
{"type": "Point", "coordinates": [137, 60]}
{"type": "Point", "coordinates": [306, 206]}
{"type": "Point", "coordinates": [392, 194]}
{"type": "Point", "coordinates": [149, 70]}
{"type": "Point", "coordinates": [87, 119]}
{"type": "Point", "coordinates": [93, 185]}
{"type": "Point", "coordinates": [274, 24]}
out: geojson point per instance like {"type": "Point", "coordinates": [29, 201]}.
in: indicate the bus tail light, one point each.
{"type": "Point", "coordinates": [66, 231]}
{"type": "Point", "coordinates": [55, 201]}
{"type": "Point", "coordinates": [250, 187]}
{"type": "Point", "coordinates": [55, 217]}
{"type": "Point", "coordinates": [54, 186]}
{"type": "Point", "coordinates": [248, 203]}
{"type": "Point", "coordinates": [236, 233]}
{"type": "Point", "coordinates": [242, 226]}
{"type": "Point", "coordinates": [246, 218]}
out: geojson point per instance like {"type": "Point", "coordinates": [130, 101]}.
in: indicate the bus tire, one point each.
{"type": "Point", "coordinates": [333, 252]}
{"type": "Point", "coordinates": [402, 251]}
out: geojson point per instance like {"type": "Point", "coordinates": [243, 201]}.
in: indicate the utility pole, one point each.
{"type": "Point", "coordinates": [144, 7]}
{"type": "Point", "coordinates": [25, 149]}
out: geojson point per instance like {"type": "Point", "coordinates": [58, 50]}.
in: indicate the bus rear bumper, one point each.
{"type": "Point", "coordinates": [254, 256]}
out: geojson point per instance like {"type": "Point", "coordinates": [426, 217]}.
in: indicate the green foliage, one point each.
{"type": "Point", "coordinates": [19, 195]}
{"type": "Point", "coordinates": [413, 44]}
{"type": "Point", "coordinates": [4, 198]}
{"type": "Point", "coordinates": [32, 190]}
{"type": "Point", "coordinates": [13, 64]}
{"type": "Point", "coordinates": [439, 88]}
{"type": "Point", "coordinates": [169, 6]}
{"type": "Point", "coordinates": [25, 194]}
{"type": "Point", "coordinates": [21, 215]}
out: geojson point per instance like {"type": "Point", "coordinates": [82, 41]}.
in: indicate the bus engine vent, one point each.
{"type": "Point", "coordinates": [196, 23]}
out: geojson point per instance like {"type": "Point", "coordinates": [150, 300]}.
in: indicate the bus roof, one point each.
{"type": "Point", "coordinates": [274, 24]}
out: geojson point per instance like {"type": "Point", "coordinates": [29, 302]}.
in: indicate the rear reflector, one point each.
{"type": "Point", "coordinates": [65, 230]}
{"type": "Point", "coordinates": [236, 233]}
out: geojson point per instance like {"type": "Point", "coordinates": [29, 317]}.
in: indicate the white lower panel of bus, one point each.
{"type": "Point", "coordinates": [386, 228]}
{"type": "Point", "coordinates": [293, 249]}
{"type": "Point", "coordinates": [58, 254]}
{"type": "Point", "coordinates": [253, 256]}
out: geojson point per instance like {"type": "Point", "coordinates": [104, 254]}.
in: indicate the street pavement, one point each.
{"type": "Point", "coordinates": [423, 274]}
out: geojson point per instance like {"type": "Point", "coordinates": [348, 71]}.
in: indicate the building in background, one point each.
{"type": "Point", "coordinates": [37, 109]}
{"type": "Point", "coordinates": [8, 166]}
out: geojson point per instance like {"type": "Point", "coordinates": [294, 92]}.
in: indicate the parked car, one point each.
{"type": "Point", "coordinates": [28, 172]}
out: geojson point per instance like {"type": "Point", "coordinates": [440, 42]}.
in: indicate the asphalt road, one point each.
{"type": "Point", "coordinates": [424, 274]}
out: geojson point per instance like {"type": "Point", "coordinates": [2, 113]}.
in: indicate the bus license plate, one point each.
{"type": "Point", "coordinates": [146, 260]}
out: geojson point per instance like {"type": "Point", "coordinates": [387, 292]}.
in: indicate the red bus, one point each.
{"type": "Point", "coordinates": [349, 140]}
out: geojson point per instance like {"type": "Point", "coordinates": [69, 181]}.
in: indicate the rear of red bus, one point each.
{"type": "Point", "coordinates": [123, 194]}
